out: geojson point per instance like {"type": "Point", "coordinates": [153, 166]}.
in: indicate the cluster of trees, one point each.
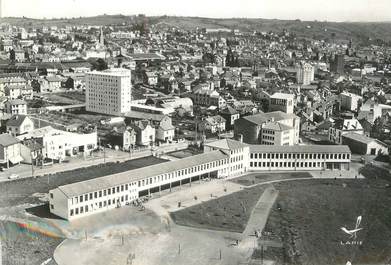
{"type": "Point", "coordinates": [209, 58]}
{"type": "Point", "coordinates": [232, 60]}
{"type": "Point", "coordinates": [99, 64]}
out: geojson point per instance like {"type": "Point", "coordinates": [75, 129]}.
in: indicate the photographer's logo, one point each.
{"type": "Point", "coordinates": [352, 233]}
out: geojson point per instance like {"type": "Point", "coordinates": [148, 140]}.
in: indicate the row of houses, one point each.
{"type": "Point", "coordinates": [47, 143]}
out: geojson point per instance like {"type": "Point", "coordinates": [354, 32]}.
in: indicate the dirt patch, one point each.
{"type": "Point", "coordinates": [228, 213]}
{"type": "Point", "coordinates": [20, 246]}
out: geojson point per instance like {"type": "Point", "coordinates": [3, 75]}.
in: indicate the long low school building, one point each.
{"type": "Point", "coordinates": [221, 159]}
{"type": "Point", "coordinates": [299, 157]}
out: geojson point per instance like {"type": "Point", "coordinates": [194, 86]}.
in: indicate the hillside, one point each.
{"type": "Point", "coordinates": [318, 29]}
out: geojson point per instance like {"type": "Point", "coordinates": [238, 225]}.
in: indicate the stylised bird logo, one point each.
{"type": "Point", "coordinates": [353, 232]}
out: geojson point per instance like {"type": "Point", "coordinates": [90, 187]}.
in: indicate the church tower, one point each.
{"type": "Point", "coordinates": [101, 38]}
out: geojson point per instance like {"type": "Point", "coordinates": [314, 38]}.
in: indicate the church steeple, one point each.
{"type": "Point", "coordinates": [101, 37]}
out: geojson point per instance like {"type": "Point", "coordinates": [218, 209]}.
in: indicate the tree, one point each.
{"type": "Point", "coordinates": [264, 105]}
{"type": "Point", "coordinates": [99, 65]}
{"type": "Point", "coordinates": [377, 127]}
{"type": "Point", "coordinates": [12, 55]}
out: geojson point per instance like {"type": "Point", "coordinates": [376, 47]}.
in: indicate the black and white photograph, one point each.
{"type": "Point", "coordinates": [198, 132]}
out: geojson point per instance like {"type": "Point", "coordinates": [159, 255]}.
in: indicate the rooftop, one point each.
{"type": "Point", "coordinates": [226, 144]}
{"type": "Point", "coordinates": [269, 116]}
{"type": "Point", "coordinates": [7, 140]}
{"type": "Point", "coordinates": [299, 149]}
{"type": "Point", "coordinates": [361, 138]}
{"type": "Point", "coordinates": [16, 120]}
{"type": "Point", "coordinates": [105, 182]}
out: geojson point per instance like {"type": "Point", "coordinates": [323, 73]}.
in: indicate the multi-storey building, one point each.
{"type": "Point", "coordinates": [305, 73]}
{"type": "Point", "coordinates": [223, 158]}
{"type": "Point", "coordinates": [350, 101]}
{"type": "Point", "coordinates": [208, 97]}
{"type": "Point", "coordinates": [272, 128]}
{"type": "Point", "coordinates": [109, 91]}
{"type": "Point", "coordinates": [15, 107]}
{"type": "Point", "coordinates": [282, 102]}
{"type": "Point", "coordinates": [337, 64]}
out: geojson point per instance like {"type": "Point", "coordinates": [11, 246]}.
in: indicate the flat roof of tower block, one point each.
{"type": "Point", "coordinates": [112, 72]}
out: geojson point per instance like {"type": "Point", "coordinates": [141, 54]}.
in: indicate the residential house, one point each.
{"type": "Point", "coordinates": [19, 124]}
{"type": "Point", "coordinates": [165, 131]}
{"type": "Point", "coordinates": [151, 78]}
{"type": "Point", "coordinates": [145, 132]}
{"type": "Point", "coordinates": [343, 126]}
{"type": "Point", "coordinates": [208, 98]}
{"type": "Point", "coordinates": [32, 151]}
{"type": "Point", "coordinates": [129, 139]}
{"type": "Point", "coordinates": [214, 124]}
{"type": "Point", "coordinates": [230, 115]}
{"type": "Point", "coordinates": [15, 107]}
{"type": "Point", "coordinates": [10, 150]}
{"type": "Point", "coordinates": [53, 83]}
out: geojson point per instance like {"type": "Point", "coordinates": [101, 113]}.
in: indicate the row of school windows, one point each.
{"type": "Point", "coordinates": [288, 164]}
{"type": "Point", "coordinates": [236, 158]}
{"type": "Point", "coordinates": [86, 209]}
{"type": "Point", "coordinates": [237, 167]}
{"type": "Point", "coordinates": [102, 193]}
{"type": "Point", "coordinates": [182, 172]}
{"type": "Point", "coordinates": [299, 156]}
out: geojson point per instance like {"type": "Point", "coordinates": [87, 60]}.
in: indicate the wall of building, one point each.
{"type": "Point", "coordinates": [250, 131]}
{"type": "Point", "coordinates": [298, 161]}
{"type": "Point", "coordinates": [58, 203]}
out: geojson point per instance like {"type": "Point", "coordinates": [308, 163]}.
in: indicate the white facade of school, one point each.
{"type": "Point", "coordinates": [224, 158]}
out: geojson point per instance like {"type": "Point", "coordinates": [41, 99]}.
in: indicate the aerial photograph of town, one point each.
{"type": "Point", "coordinates": [253, 132]}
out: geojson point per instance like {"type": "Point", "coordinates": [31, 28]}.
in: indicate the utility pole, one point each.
{"type": "Point", "coordinates": [32, 164]}
{"type": "Point", "coordinates": [104, 155]}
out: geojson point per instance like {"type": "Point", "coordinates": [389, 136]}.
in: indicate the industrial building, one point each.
{"type": "Point", "coordinates": [364, 145]}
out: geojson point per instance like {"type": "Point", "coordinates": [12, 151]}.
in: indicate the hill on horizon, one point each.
{"type": "Point", "coordinates": [311, 29]}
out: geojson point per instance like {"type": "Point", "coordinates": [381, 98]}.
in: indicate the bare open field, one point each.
{"type": "Point", "coordinates": [228, 213]}
{"type": "Point", "coordinates": [309, 214]}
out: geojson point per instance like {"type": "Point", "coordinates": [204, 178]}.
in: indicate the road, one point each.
{"type": "Point", "coordinates": [106, 156]}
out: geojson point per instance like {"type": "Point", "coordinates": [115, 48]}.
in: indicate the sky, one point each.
{"type": "Point", "coordinates": [330, 10]}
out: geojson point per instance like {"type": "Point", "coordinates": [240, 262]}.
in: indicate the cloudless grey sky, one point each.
{"type": "Point", "coordinates": [330, 10]}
